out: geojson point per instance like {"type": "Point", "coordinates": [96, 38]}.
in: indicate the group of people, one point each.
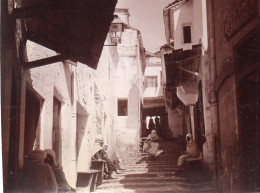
{"type": "Point", "coordinates": [154, 126]}
{"type": "Point", "coordinates": [43, 174]}
{"type": "Point", "coordinates": [100, 153]}
{"type": "Point", "coordinates": [151, 146]}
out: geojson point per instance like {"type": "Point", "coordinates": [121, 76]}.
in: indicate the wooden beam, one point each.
{"type": "Point", "coordinates": [44, 61]}
{"type": "Point", "coordinates": [71, 62]}
{"type": "Point", "coordinates": [34, 11]}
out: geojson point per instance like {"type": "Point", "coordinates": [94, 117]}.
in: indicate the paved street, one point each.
{"type": "Point", "coordinates": [143, 175]}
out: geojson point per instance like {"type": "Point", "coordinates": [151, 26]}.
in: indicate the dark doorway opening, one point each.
{"type": "Point", "coordinates": [13, 157]}
{"type": "Point", "coordinates": [248, 90]}
{"type": "Point", "coordinates": [199, 119]}
{"type": "Point", "coordinates": [32, 113]}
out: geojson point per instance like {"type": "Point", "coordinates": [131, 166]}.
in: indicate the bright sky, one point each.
{"type": "Point", "coordinates": [147, 16]}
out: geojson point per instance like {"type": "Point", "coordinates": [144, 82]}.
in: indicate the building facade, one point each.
{"type": "Point", "coordinates": [129, 83]}
{"type": "Point", "coordinates": [187, 74]}
{"type": "Point", "coordinates": [70, 105]}
{"type": "Point", "coordinates": [234, 60]}
{"type": "Point", "coordinates": [41, 106]}
{"type": "Point", "coordinates": [153, 105]}
{"type": "Point", "coordinates": [223, 53]}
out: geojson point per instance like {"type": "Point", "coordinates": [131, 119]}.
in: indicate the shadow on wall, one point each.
{"type": "Point", "coordinates": [81, 129]}
{"type": "Point", "coordinates": [69, 77]}
{"type": "Point", "coordinates": [132, 121]}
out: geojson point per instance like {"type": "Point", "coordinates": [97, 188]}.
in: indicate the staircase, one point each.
{"type": "Point", "coordinates": [145, 176]}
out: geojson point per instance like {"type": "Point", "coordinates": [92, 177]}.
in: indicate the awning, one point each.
{"type": "Point", "coordinates": [188, 93]}
{"type": "Point", "coordinates": [76, 29]}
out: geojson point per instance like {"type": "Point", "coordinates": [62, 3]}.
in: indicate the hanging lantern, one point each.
{"type": "Point", "coordinates": [116, 29]}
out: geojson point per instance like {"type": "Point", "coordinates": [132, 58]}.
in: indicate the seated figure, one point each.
{"type": "Point", "coordinates": [99, 153]}
{"type": "Point", "coordinates": [192, 151]}
{"type": "Point", "coordinates": [38, 176]}
{"type": "Point", "coordinates": [63, 185]}
{"type": "Point", "coordinates": [151, 145]}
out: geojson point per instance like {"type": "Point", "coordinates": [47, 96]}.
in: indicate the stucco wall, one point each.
{"type": "Point", "coordinates": [175, 121]}
{"type": "Point", "coordinates": [151, 70]}
{"type": "Point", "coordinates": [225, 62]}
{"type": "Point", "coordinates": [128, 79]}
{"type": "Point", "coordinates": [190, 13]}
{"type": "Point", "coordinates": [228, 134]}
{"type": "Point", "coordinates": [88, 103]}
{"type": "Point", "coordinates": [54, 81]}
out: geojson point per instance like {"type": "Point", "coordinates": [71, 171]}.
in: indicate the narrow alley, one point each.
{"type": "Point", "coordinates": [138, 96]}
{"type": "Point", "coordinates": [142, 175]}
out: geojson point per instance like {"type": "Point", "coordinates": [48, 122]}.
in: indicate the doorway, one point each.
{"type": "Point", "coordinates": [32, 113]}
{"type": "Point", "coordinates": [248, 102]}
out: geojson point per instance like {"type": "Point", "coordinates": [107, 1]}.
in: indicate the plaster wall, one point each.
{"type": "Point", "coordinates": [190, 13]}
{"type": "Point", "coordinates": [225, 61]}
{"type": "Point", "coordinates": [225, 56]}
{"type": "Point", "coordinates": [128, 78]}
{"type": "Point", "coordinates": [153, 91]}
{"type": "Point", "coordinates": [87, 99]}
{"type": "Point", "coordinates": [152, 60]}
{"type": "Point", "coordinates": [228, 133]}
{"type": "Point", "coordinates": [208, 151]}
{"type": "Point", "coordinates": [163, 70]}
{"type": "Point", "coordinates": [175, 122]}
{"type": "Point", "coordinates": [123, 14]}
{"type": "Point", "coordinates": [54, 81]}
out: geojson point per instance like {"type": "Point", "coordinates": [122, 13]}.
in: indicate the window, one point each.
{"type": "Point", "coordinates": [152, 81]}
{"type": "Point", "coordinates": [122, 107]}
{"type": "Point", "coordinates": [186, 34]}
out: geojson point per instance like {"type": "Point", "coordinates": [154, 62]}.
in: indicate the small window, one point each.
{"type": "Point", "coordinates": [122, 107]}
{"type": "Point", "coordinates": [186, 34]}
{"type": "Point", "coordinates": [152, 81]}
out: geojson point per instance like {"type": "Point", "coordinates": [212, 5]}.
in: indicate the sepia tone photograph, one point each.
{"type": "Point", "coordinates": [130, 96]}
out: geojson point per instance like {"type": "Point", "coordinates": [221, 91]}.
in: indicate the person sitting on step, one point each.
{"type": "Point", "coordinates": [100, 154]}
{"type": "Point", "coordinates": [152, 144]}
{"type": "Point", "coordinates": [63, 185]}
{"type": "Point", "coordinates": [115, 160]}
{"type": "Point", "coordinates": [38, 176]}
{"type": "Point", "coordinates": [192, 151]}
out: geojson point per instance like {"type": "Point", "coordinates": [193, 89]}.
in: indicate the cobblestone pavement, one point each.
{"type": "Point", "coordinates": [145, 176]}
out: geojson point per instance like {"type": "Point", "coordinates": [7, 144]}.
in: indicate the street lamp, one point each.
{"type": "Point", "coordinates": [116, 29]}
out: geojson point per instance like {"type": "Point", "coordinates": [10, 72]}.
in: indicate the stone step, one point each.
{"type": "Point", "coordinates": [156, 183]}
{"type": "Point", "coordinates": [160, 187]}
{"type": "Point", "coordinates": [145, 174]}
{"type": "Point", "coordinates": [168, 161]}
{"type": "Point", "coordinates": [143, 163]}
{"type": "Point", "coordinates": [149, 164]}
{"type": "Point", "coordinates": [151, 169]}
{"type": "Point", "coordinates": [133, 178]}
{"type": "Point", "coordinates": [158, 180]}
{"type": "Point", "coordinates": [146, 159]}
{"type": "Point", "coordinates": [154, 190]}
{"type": "Point", "coordinates": [137, 166]}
